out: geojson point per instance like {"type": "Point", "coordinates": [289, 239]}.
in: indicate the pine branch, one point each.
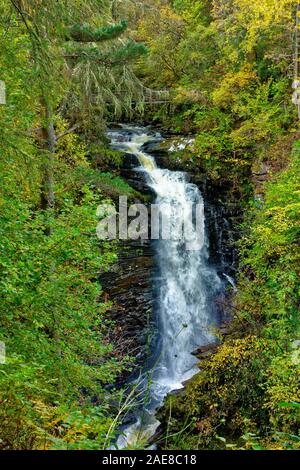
{"type": "Point", "coordinates": [85, 33]}
{"type": "Point", "coordinates": [120, 56]}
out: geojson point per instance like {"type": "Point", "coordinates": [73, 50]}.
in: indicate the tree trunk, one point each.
{"type": "Point", "coordinates": [49, 138]}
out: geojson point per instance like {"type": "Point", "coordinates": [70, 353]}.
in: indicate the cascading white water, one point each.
{"type": "Point", "coordinates": [185, 288]}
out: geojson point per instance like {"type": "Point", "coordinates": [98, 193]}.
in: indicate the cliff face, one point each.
{"type": "Point", "coordinates": [129, 286]}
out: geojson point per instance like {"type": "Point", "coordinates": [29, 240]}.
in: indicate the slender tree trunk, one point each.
{"type": "Point", "coordinates": [49, 138]}
{"type": "Point", "coordinates": [296, 58]}
{"type": "Point", "coordinates": [47, 203]}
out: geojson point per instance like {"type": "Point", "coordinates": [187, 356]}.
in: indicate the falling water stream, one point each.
{"type": "Point", "coordinates": [187, 284]}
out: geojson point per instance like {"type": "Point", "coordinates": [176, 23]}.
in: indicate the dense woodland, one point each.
{"type": "Point", "coordinates": [71, 68]}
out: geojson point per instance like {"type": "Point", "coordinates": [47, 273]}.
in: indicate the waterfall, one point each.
{"type": "Point", "coordinates": [186, 286]}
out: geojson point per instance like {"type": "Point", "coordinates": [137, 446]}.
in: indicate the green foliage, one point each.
{"type": "Point", "coordinates": [52, 316]}
{"type": "Point", "coordinates": [270, 250]}
{"type": "Point", "coordinates": [53, 320]}
{"type": "Point", "coordinates": [227, 66]}
{"type": "Point", "coordinates": [222, 399]}
{"type": "Point", "coordinates": [247, 394]}
{"type": "Point", "coordinates": [86, 33]}
{"type": "Point", "coordinates": [66, 68]}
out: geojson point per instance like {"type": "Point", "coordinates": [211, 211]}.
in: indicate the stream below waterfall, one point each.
{"type": "Point", "coordinates": [185, 287]}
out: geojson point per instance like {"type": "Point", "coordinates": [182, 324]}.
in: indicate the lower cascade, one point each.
{"type": "Point", "coordinates": [186, 285]}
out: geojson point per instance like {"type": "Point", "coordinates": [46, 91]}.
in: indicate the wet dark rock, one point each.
{"type": "Point", "coordinates": [156, 436]}
{"type": "Point", "coordinates": [134, 176]}
{"type": "Point", "coordinates": [128, 419]}
{"type": "Point", "coordinates": [129, 287]}
{"type": "Point", "coordinates": [130, 162]}
{"type": "Point", "coordinates": [163, 158]}
{"type": "Point", "coordinates": [260, 174]}
{"type": "Point", "coordinates": [205, 351]}
{"type": "Point", "coordinates": [222, 220]}
{"type": "Point", "coordinates": [224, 330]}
